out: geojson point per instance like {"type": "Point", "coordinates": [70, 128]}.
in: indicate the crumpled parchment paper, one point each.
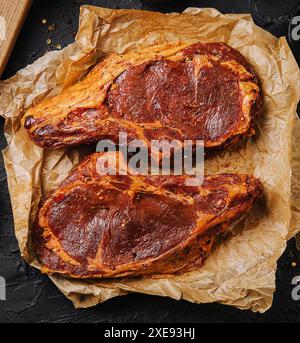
{"type": "Point", "coordinates": [240, 271]}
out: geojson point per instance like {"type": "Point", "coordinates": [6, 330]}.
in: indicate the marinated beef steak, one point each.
{"type": "Point", "coordinates": [204, 91]}
{"type": "Point", "coordinates": [127, 225]}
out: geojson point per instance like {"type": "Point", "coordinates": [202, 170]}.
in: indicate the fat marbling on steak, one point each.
{"type": "Point", "coordinates": [203, 91]}
{"type": "Point", "coordinates": [111, 226]}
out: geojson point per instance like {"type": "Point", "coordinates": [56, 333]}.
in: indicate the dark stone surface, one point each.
{"type": "Point", "coordinates": [31, 297]}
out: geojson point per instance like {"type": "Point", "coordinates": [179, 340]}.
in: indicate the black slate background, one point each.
{"type": "Point", "coordinates": [31, 297]}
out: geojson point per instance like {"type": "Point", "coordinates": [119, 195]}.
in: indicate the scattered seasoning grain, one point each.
{"type": "Point", "coordinates": [294, 264]}
{"type": "Point", "coordinates": [57, 46]}
{"type": "Point", "coordinates": [44, 21]}
{"type": "Point", "coordinates": [48, 41]}
{"type": "Point", "coordinates": [51, 27]}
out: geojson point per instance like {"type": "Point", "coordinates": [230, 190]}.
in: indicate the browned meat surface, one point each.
{"type": "Point", "coordinates": [111, 226]}
{"type": "Point", "coordinates": [204, 91]}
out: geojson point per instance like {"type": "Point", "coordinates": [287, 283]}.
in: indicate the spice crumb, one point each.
{"type": "Point", "coordinates": [44, 21]}
{"type": "Point", "coordinates": [294, 264]}
{"type": "Point", "coordinates": [51, 27]}
{"type": "Point", "coordinates": [48, 41]}
{"type": "Point", "coordinates": [57, 46]}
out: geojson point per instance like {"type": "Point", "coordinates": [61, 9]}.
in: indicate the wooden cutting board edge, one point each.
{"type": "Point", "coordinates": [14, 13]}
